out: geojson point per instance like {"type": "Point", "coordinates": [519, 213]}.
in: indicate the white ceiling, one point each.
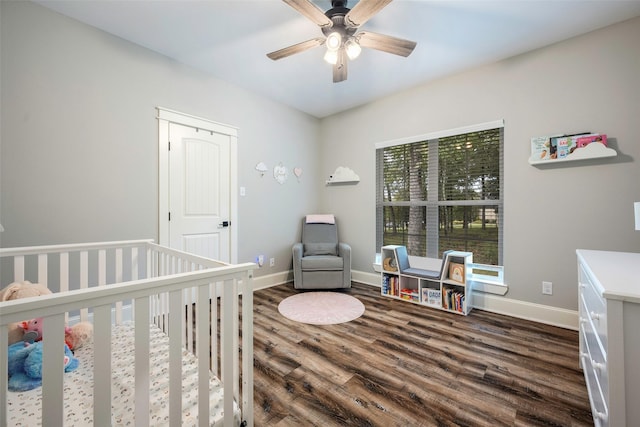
{"type": "Point", "coordinates": [230, 40]}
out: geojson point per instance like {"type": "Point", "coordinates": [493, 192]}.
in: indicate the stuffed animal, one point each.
{"type": "Point", "coordinates": [25, 365]}
{"type": "Point", "coordinates": [75, 335]}
{"type": "Point", "coordinates": [78, 334]}
{"type": "Point", "coordinates": [33, 330]}
{"type": "Point", "coordinates": [18, 290]}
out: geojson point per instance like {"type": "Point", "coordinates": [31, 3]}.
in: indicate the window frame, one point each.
{"type": "Point", "coordinates": [433, 200]}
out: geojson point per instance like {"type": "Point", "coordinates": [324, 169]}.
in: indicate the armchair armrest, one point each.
{"type": "Point", "coordinates": [297, 263]}
{"type": "Point", "coordinates": [344, 251]}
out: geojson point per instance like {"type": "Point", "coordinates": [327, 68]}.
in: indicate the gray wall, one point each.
{"type": "Point", "coordinates": [588, 83]}
{"type": "Point", "coordinates": [79, 156]}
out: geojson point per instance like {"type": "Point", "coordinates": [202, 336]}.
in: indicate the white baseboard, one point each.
{"type": "Point", "coordinates": [270, 280]}
{"type": "Point", "coordinates": [549, 315]}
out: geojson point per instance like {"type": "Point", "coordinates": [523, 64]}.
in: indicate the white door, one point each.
{"type": "Point", "coordinates": [199, 191]}
{"type": "Point", "coordinates": [197, 185]}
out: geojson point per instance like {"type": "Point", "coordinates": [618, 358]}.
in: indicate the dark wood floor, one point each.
{"type": "Point", "coordinates": [405, 365]}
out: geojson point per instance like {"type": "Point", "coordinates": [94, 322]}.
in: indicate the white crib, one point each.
{"type": "Point", "coordinates": [149, 291]}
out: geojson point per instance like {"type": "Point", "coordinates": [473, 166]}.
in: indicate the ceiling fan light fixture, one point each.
{"type": "Point", "coordinates": [334, 41]}
{"type": "Point", "coordinates": [331, 56]}
{"type": "Point", "coordinates": [353, 48]}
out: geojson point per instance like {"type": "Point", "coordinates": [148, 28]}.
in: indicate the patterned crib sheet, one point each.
{"type": "Point", "coordinates": [25, 407]}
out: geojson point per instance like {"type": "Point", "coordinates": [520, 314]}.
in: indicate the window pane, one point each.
{"type": "Point", "coordinates": [471, 229]}
{"type": "Point", "coordinates": [469, 167]}
{"type": "Point", "coordinates": [400, 230]}
{"type": "Point", "coordinates": [405, 168]}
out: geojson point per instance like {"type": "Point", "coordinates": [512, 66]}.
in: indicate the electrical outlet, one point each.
{"type": "Point", "coordinates": [272, 262]}
{"type": "Point", "coordinates": [260, 260]}
{"type": "Point", "coordinates": [547, 288]}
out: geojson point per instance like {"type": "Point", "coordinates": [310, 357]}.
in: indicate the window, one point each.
{"type": "Point", "coordinates": [443, 191]}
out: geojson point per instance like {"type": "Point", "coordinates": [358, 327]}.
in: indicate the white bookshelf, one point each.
{"type": "Point", "coordinates": [449, 292]}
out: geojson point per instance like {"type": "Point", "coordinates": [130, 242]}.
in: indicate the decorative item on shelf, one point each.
{"type": "Point", "coordinates": [297, 171]}
{"type": "Point", "coordinates": [456, 272]}
{"type": "Point", "coordinates": [343, 175]}
{"type": "Point", "coordinates": [389, 264]}
{"type": "Point", "coordinates": [262, 168]}
{"type": "Point", "coordinates": [280, 173]}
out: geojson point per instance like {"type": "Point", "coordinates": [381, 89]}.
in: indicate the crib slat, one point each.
{"type": "Point", "coordinates": [134, 263]}
{"type": "Point", "coordinates": [235, 318]}
{"type": "Point", "coordinates": [84, 281]}
{"type": "Point", "coordinates": [4, 376]}
{"type": "Point", "coordinates": [189, 300]}
{"type": "Point", "coordinates": [42, 269]}
{"type": "Point", "coordinates": [195, 299]}
{"type": "Point", "coordinates": [175, 358]}
{"type": "Point", "coordinates": [247, 349]}
{"type": "Point", "coordinates": [64, 271]}
{"type": "Point", "coordinates": [102, 364]}
{"type": "Point", "coordinates": [203, 336]}
{"type": "Point", "coordinates": [214, 329]}
{"type": "Point", "coordinates": [118, 279]}
{"type": "Point", "coordinates": [18, 268]}
{"type": "Point", "coordinates": [149, 263]}
{"type": "Point", "coordinates": [142, 361]}
{"type": "Point", "coordinates": [52, 372]}
{"type": "Point", "coordinates": [64, 277]}
{"type": "Point", "coordinates": [227, 351]}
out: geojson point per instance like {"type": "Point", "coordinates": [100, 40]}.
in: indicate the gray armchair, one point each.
{"type": "Point", "coordinates": [320, 261]}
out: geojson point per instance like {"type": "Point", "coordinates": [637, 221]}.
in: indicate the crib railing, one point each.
{"type": "Point", "coordinates": [108, 283]}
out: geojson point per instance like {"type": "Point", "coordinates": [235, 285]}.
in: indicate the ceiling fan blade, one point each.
{"type": "Point", "coordinates": [386, 43]}
{"type": "Point", "coordinates": [340, 67]}
{"type": "Point", "coordinates": [311, 11]}
{"type": "Point", "coordinates": [363, 11]}
{"type": "Point", "coordinates": [296, 48]}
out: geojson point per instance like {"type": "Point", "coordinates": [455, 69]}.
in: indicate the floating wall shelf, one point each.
{"type": "Point", "coordinates": [595, 150]}
{"type": "Point", "coordinates": [343, 182]}
{"type": "Point", "coordinates": [343, 175]}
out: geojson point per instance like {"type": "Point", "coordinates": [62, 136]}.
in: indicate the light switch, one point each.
{"type": "Point", "coordinates": [243, 191]}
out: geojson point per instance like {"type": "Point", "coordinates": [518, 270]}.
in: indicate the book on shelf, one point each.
{"type": "Point", "coordinates": [586, 140]}
{"type": "Point", "coordinates": [385, 284]}
{"type": "Point", "coordinates": [560, 146]}
{"type": "Point", "coordinates": [432, 297]}
{"type": "Point", "coordinates": [540, 148]}
{"type": "Point", "coordinates": [391, 285]}
{"type": "Point", "coordinates": [565, 144]}
{"type": "Point", "coordinates": [454, 300]}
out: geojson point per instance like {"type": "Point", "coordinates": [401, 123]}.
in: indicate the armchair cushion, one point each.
{"type": "Point", "coordinates": [322, 262]}
{"type": "Point", "coordinates": [320, 249]}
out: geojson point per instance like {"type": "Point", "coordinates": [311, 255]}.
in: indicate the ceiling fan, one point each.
{"type": "Point", "coordinates": [340, 28]}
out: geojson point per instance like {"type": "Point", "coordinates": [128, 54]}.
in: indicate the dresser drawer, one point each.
{"type": "Point", "coordinates": [599, 408]}
{"type": "Point", "coordinates": [592, 305]}
{"type": "Point", "coordinates": [596, 356]}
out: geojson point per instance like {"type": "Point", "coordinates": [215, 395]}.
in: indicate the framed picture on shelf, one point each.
{"type": "Point", "coordinates": [456, 272]}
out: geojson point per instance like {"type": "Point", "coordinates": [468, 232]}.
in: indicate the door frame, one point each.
{"type": "Point", "coordinates": [165, 117]}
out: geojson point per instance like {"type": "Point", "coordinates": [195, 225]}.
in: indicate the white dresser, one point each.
{"type": "Point", "coordinates": [609, 307]}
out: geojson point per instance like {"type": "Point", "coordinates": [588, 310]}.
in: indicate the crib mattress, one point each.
{"type": "Point", "coordinates": [25, 407]}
